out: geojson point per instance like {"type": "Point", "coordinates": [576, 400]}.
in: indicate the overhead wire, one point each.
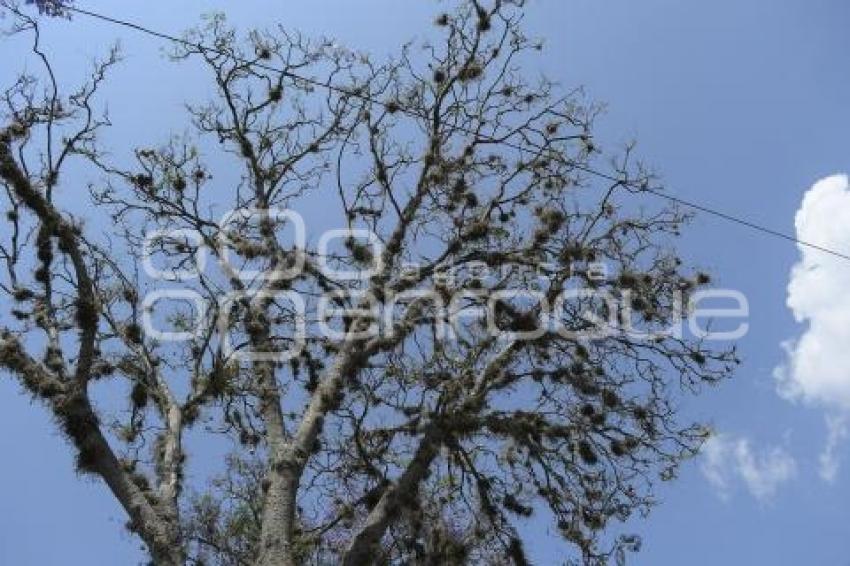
{"type": "Point", "coordinates": [635, 187]}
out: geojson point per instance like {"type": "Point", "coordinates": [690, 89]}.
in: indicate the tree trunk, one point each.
{"type": "Point", "coordinates": [361, 549]}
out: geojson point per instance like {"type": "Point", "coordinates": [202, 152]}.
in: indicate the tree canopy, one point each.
{"type": "Point", "coordinates": [455, 367]}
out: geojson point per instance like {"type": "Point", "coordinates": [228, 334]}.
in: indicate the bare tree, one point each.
{"type": "Point", "coordinates": [435, 407]}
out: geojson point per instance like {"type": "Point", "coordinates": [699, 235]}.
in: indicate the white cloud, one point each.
{"type": "Point", "coordinates": [817, 365]}
{"type": "Point", "coordinates": [817, 368]}
{"type": "Point", "coordinates": [829, 461]}
{"type": "Point", "coordinates": [727, 461]}
{"type": "Point", "coordinates": [716, 465]}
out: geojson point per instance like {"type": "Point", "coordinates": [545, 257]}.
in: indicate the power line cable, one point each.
{"type": "Point", "coordinates": [638, 188]}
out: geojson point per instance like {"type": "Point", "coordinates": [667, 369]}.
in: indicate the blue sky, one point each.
{"type": "Point", "coordinates": [740, 105]}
